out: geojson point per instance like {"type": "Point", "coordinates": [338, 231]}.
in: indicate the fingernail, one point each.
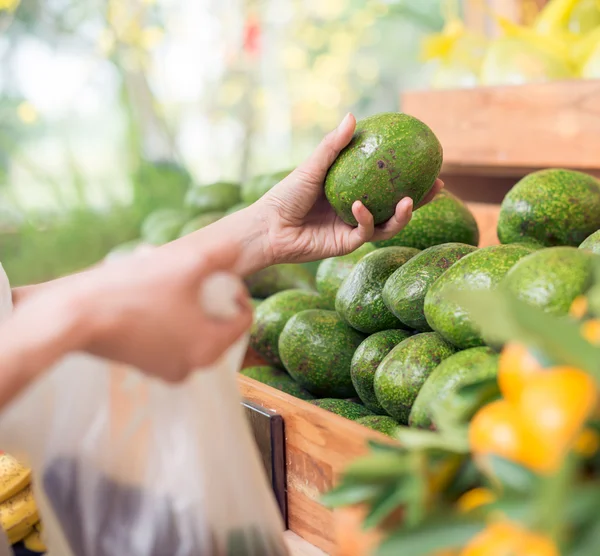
{"type": "Point", "coordinates": [344, 120]}
{"type": "Point", "coordinates": [407, 204]}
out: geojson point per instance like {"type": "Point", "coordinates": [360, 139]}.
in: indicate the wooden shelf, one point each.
{"type": "Point", "coordinates": [510, 131]}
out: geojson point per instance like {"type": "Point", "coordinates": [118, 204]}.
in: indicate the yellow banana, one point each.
{"type": "Point", "coordinates": [18, 515]}
{"type": "Point", "coordinates": [34, 542]}
{"type": "Point", "coordinates": [13, 477]}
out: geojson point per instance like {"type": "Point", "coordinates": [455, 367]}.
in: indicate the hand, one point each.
{"type": "Point", "coordinates": [301, 224]}
{"type": "Point", "coordinates": [144, 309]}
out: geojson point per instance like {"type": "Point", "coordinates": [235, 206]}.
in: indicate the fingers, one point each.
{"type": "Point", "coordinates": [397, 222]}
{"type": "Point", "coordinates": [366, 226]}
{"type": "Point", "coordinates": [435, 189]}
{"type": "Point", "coordinates": [324, 155]}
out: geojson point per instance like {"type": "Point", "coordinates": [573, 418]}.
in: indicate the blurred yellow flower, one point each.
{"type": "Point", "coordinates": [151, 36]}
{"type": "Point", "coordinates": [27, 112]}
{"type": "Point", "coordinates": [9, 5]}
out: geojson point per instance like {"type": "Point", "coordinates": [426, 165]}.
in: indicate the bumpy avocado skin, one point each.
{"type": "Point", "coordinates": [349, 410]}
{"type": "Point", "coordinates": [277, 379]}
{"type": "Point", "coordinates": [381, 423]}
{"type": "Point", "coordinates": [554, 207]}
{"type": "Point", "coordinates": [552, 278]}
{"type": "Point", "coordinates": [316, 348]}
{"type": "Point", "coordinates": [272, 315]}
{"type": "Point", "coordinates": [365, 361]}
{"type": "Point", "coordinates": [359, 300]}
{"type": "Point", "coordinates": [483, 269]}
{"type": "Point", "coordinates": [405, 290]}
{"type": "Point", "coordinates": [391, 156]}
{"type": "Point", "coordinates": [332, 272]}
{"type": "Point", "coordinates": [458, 370]}
{"type": "Point", "coordinates": [216, 197]}
{"type": "Point", "coordinates": [277, 278]}
{"type": "Point", "coordinates": [592, 243]}
{"type": "Point", "coordinates": [446, 219]}
{"type": "Point", "coordinates": [405, 369]}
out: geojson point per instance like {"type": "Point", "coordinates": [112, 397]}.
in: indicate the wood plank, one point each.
{"type": "Point", "coordinates": [319, 445]}
{"type": "Point", "coordinates": [514, 128]}
{"type": "Point", "coordinates": [486, 216]}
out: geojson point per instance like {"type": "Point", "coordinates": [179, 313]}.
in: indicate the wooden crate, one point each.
{"type": "Point", "coordinates": [509, 131]}
{"type": "Point", "coordinates": [320, 444]}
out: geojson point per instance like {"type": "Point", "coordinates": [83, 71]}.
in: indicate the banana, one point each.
{"type": "Point", "coordinates": [34, 542]}
{"type": "Point", "coordinates": [18, 515]}
{"type": "Point", "coordinates": [13, 477]}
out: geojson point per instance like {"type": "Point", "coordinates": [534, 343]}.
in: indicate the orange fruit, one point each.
{"type": "Point", "coordinates": [579, 307]}
{"type": "Point", "coordinates": [475, 498]}
{"type": "Point", "coordinates": [515, 367]}
{"type": "Point", "coordinates": [590, 330]}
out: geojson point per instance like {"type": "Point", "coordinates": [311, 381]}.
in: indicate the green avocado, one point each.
{"type": "Point", "coordinates": [553, 207]}
{"type": "Point", "coordinates": [391, 156]}
{"type": "Point", "coordinates": [381, 423]}
{"type": "Point", "coordinates": [236, 208]}
{"type": "Point", "coordinates": [483, 269]}
{"type": "Point", "coordinates": [365, 361]}
{"type": "Point", "coordinates": [459, 370]}
{"type": "Point", "coordinates": [359, 301]}
{"type": "Point", "coordinates": [125, 248]}
{"type": "Point", "coordinates": [200, 222]}
{"type": "Point", "coordinates": [271, 317]}
{"type": "Point", "coordinates": [216, 197]}
{"type": "Point", "coordinates": [446, 219]}
{"type": "Point", "coordinates": [256, 187]}
{"type": "Point", "coordinates": [278, 379]}
{"type": "Point", "coordinates": [277, 278]}
{"type": "Point", "coordinates": [162, 226]}
{"type": "Point", "coordinates": [405, 369]}
{"type": "Point", "coordinates": [161, 184]}
{"type": "Point", "coordinates": [405, 290]}
{"type": "Point", "coordinates": [316, 348]}
{"type": "Point", "coordinates": [256, 303]}
{"type": "Point", "coordinates": [592, 243]}
{"type": "Point", "coordinates": [332, 272]}
{"type": "Point", "coordinates": [345, 408]}
{"type": "Point", "coordinates": [552, 278]}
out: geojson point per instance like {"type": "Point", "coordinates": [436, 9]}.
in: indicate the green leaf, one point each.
{"type": "Point", "coordinates": [460, 408]}
{"type": "Point", "coordinates": [385, 504]}
{"type": "Point", "coordinates": [444, 532]}
{"type": "Point", "coordinates": [512, 476]}
{"type": "Point", "coordinates": [377, 446]}
{"type": "Point", "coordinates": [348, 494]}
{"type": "Point", "coordinates": [378, 467]}
{"type": "Point", "coordinates": [586, 542]}
{"type": "Point", "coordinates": [455, 441]}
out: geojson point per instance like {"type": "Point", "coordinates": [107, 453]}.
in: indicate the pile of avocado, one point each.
{"type": "Point", "coordinates": [379, 339]}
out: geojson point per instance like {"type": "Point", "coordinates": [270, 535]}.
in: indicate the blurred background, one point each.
{"type": "Point", "coordinates": [113, 109]}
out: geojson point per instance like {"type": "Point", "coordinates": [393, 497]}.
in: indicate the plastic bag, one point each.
{"type": "Point", "coordinates": [126, 464]}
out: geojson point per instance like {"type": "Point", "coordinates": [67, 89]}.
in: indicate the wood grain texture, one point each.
{"type": "Point", "coordinates": [514, 128]}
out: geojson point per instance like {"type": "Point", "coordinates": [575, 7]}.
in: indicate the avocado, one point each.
{"type": "Point", "coordinates": [200, 222]}
{"type": "Point", "coordinates": [159, 184]}
{"type": "Point", "coordinates": [551, 278]}
{"type": "Point", "coordinates": [256, 303]}
{"type": "Point", "coordinates": [459, 370]}
{"type": "Point", "coordinates": [349, 410]}
{"type": "Point", "coordinates": [553, 207]}
{"type": "Point", "coordinates": [403, 372]}
{"type": "Point", "coordinates": [390, 156]}
{"type": "Point", "coordinates": [271, 317]}
{"type": "Point", "coordinates": [365, 361]}
{"type": "Point", "coordinates": [216, 197]}
{"type": "Point", "coordinates": [125, 248]}
{"type": "Point", "coordinates": [236, 208]}
{"type": "Point", "coordinates": [381, 423]}
{"type": "Point", "coordinates": [278, 379]}
{"type": "Point", "coordinates": [359, 301]}
{"type": "Point", "coordinates": [277, 278]}
{"type": "Point", "coordinates": [405, 290]}
{"type": "Point", "coordinates": [332, 272]}
{"type": "Point", "coordinates": [483, 269]}
{"type": "Point", "coordinates": [592, 243]}
{"type": "Point", "coordinates": [162, 226]}
{"type": "Point", "coordinates": [446, 219]}
{"type": "Point", "coordinates": [316, 348]}
{"type": "Point", "coordinates": [256, 187]}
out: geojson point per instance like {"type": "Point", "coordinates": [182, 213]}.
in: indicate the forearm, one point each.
{"type": "Point", "coordinates": [33, 342]}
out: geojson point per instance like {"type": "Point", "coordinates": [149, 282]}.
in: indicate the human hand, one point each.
{"type": "Point", "coordinates": [144, 309]}
{"type": "Point", "coordinates": [300, 222]}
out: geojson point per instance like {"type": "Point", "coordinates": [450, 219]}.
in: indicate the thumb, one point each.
{"type": "Point", "coordinates": [316, 166]}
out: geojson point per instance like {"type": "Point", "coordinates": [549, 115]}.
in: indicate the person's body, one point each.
{"type": "Point", "coordinates": [144, 310]}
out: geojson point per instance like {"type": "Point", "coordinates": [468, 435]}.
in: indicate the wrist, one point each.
{"type": "Point", "coordinates": [256, 247]}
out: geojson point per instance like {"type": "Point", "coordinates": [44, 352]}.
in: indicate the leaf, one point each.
{"type": "Point", "coordinates": [389, 501]}
{"type": "Point", "coordinates": [587, 542]}
{"type": "Point", "coordinates": [460, 408]}
{"type": "Point", "coordinates": [377, 446]}
{"type": "Point", "coordinates": [443, 533]}
{"type": "Point", "coordinates": [512, 476]}
{"type": "Point", "coordinates": [378, 467]}
{"type": "Point", "coordinates": [348, 494]}
{"type": "Point", "coordinates": [456, 442]}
